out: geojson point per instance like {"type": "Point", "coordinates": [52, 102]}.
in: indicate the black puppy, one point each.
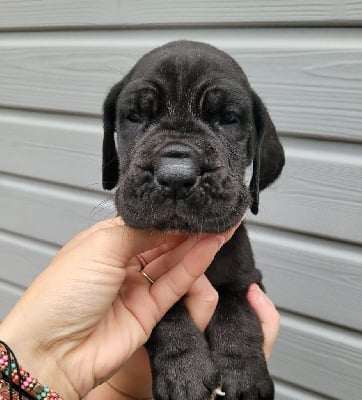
{"type": "Point", "coordinates": [188, 126]}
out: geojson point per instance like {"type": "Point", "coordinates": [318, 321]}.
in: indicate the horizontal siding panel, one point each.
{"type": "Point", "coordinates": [9, 295]}
{"type": "Point", "coordinates": [321, 358]}
{"type": "Point", "coordinates": [319, 191]}
{"type": "Point", "coordinates": [50, 147]}
{"type": "Point", "coordinates": [310, 79]}
{"type": "Point", "coordinates": [284, 391]}
{"type": "Point", "coordinates": [49, 213]}
{"type": "Point", "coordinates": [321, 181]}
{"type": "Point", "coordinates": [92, 13]}
{"type": "Point", "coordinates": [23, 259]}
{"type": "Point", "coordinates": [311, 276]}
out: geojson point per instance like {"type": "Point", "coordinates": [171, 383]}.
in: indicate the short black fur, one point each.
{"type": "Point", "coordinates": [188, 125]}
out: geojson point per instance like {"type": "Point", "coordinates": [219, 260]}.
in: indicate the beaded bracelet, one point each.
{"type": "Point", "coordinates": [6, 393]}
{"type": "Point", "coordinates": [23, 381]}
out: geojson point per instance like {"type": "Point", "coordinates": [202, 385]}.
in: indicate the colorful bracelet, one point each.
{"type": "Point", "coordinates": [23, 381]}
{"type": "Point", "coordinates": [6, 393]}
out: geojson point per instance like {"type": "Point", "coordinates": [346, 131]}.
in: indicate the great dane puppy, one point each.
{"type": "Point", "coordinates": [189, 128]}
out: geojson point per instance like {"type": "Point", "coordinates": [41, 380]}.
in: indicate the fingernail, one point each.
{"type": "Point", "coordinates": [261, 296]}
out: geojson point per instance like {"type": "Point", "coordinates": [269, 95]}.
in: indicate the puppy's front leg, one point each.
{"type": "Point", "coordinates": [182, 368]}
{"type": "Point", "coordinates": [236, 342]}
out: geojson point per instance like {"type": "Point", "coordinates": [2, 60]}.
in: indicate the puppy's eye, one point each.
{"type": "Point", "coordinates": [134, 117]}
{"type": "Point", "coordinates": [229, 118]}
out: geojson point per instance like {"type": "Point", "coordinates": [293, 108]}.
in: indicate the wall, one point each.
{"type": "Point", "coordinates": [57, 61]}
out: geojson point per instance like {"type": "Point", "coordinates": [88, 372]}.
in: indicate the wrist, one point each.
{"type": "Point", "coordinates": [47, 371]}
{"type": "Point", "coordinates": [38, 366]}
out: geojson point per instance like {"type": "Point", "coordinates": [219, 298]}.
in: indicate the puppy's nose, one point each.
{"type": "Point", "coordinates": [177, 170]}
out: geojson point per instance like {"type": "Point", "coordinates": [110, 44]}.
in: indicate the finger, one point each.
{"type": "Point", "coordinates": [169, 288]}
{"type": "Point", "coordinates": [108, 223]}
{"type": "Point", "coordinates": [201, 301]}
{"type": "Point", "coordinates": [140, 261]}
{"type": "Point", "coordinates": [148, 256]}
{"type": "Point", "coordinates": [168, 260]}
{"type": "Point", "coordinates": [268, 315]}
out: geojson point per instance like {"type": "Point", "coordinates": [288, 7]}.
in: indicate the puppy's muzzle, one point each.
{"type": "Point", "coordinates": [176, 170]}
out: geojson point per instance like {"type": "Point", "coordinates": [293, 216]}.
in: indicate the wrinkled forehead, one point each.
{"type": "Point", "coordinates": [183, 76]}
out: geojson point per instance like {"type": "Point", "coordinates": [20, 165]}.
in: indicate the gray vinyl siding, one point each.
{"type": "Point", "coordinates": [57, 61]}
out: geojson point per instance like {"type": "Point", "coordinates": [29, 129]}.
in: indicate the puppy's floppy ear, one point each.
{"type": "Point", "coordinates": [110, 172]}
{"type": "Point", "coordinates": [269, 158]}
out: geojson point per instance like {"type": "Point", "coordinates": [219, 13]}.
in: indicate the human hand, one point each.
{"type": "Point", "coordinates": [85, 315]}
{"type": "Point", "coordinates": [134, 378]}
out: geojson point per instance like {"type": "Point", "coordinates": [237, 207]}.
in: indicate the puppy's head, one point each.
{"type": "Point", "coordinates": [188, 129]}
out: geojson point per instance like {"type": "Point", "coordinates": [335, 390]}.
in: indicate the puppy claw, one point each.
{"type": "Point", "coordinates": [217, 392]}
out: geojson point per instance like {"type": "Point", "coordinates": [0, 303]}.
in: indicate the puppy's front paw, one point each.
{"type": "Point", "coordinates": [245, 378]}
{"type": "Point", "coordinates": [187, 376]}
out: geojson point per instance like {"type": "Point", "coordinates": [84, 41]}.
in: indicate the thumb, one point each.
{"type": "Point", "coordinates": [268, 316]}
